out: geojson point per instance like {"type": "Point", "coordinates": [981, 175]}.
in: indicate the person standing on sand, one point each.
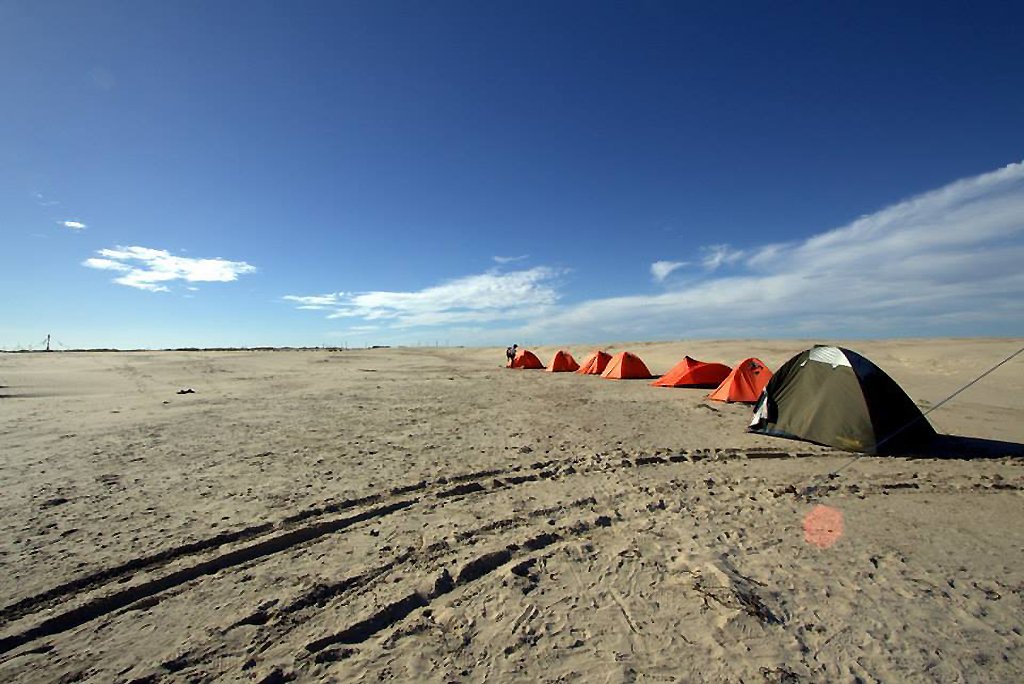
{"type": "Point", "coordinates": [510, 354]}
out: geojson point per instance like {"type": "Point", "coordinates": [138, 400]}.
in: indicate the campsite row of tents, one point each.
{"type": "Point", "coordinates": [826, 395]}
{"type": "Point", "coordinates": [744, 383]}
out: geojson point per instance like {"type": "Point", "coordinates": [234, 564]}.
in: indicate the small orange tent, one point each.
{"type": "Point", "coordinates": [595, 363]}
{"type": "Point", "coordinates": [526, 359]}
{"type": "Point", "coordinates": [626, 365]}
{"type": "Point", "coordinates": [745, 383]}
{"type": "Point", "coordinates": [562, 362]}
{"type": "Point", "coordinates": [693, 373]}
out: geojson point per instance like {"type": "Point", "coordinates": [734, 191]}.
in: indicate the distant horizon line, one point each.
{"type": "Point", "coordinates": [336, 348]}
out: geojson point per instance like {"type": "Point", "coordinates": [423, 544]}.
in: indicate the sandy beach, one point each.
{"type": "Point", "coordinates": [424, 514]}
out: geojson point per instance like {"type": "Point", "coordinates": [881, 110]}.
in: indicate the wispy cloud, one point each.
{"type": "Point", "coordinates": [510, 259]}
{"type": "Point", "coordinates": [941, 261]}
{"type": "Point", "coordinates": [662, 269]}
{"type": "Point", "coordinates": [945, 262]}
{"type": "Point", "coordinates": [715, 256]}
{"type": "Point", "coordinates": [474, 299]}
{"type": "Point", "coordinates": [153, 269]}
{"type": "Point", "coordinates": [44, 201]}
{"type": "Point", "coordinates": [322, 302]}
{"type": "Point", "coordinates": [73, 225]}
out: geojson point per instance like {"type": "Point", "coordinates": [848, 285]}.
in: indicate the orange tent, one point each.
{"type": "Point", "coordinates": [595, 363]}
{"type": "Point", "coordinates": [625, 365]}
{"type": "Point", "coordinates": [745, 383]}
{"type": "Point", "coordinates": [562, 362]}
{"type": "Point", "coordinates": [692, 373]}
{"type": "Point", "coordinates": [526, 359]}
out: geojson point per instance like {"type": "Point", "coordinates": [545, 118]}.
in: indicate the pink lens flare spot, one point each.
{"type": "Point", "coordinates": [823, 526]}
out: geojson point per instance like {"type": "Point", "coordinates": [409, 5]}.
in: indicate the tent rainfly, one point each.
{"type": "Point", "coordinates": [836, 397]}
{"type": "Point", "coordinates": [562, 362]}
{"type": "Point", "coordinates": [745, 383]}
{"type": "Point", "coordinates": [624, 366]}
{"type": "Point", "coordinates": [692, 373]}
{"type": "Point", "coordinates": [526, 359]}
{"type": "Point", "coordinates": [595, 363]}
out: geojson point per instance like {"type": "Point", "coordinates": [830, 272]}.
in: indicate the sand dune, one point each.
{"type": "Point", "coordinates": [427, 515]}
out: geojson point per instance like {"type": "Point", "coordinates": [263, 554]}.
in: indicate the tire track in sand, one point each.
{"type": "Point", "coordinates": [302, 528]}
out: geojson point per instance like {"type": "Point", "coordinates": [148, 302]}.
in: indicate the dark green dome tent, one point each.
{"type": "Point", "coordinates": [836, 397]}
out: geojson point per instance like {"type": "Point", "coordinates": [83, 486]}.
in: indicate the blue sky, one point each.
{"type": "Point", "coordinates": [223, 173]}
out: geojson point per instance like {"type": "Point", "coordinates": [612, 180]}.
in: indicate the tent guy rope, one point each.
{"type": "Point", "coordinates": [810, 490]}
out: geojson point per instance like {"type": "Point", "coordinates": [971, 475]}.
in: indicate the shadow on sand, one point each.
{"type": "Point", "coordinates": [958, 446]}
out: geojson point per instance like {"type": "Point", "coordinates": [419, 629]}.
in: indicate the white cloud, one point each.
{"type": "Point", "coordinates": [510, 259]}
{"type": "Point", "coordinates": [73, 225]}
{"type": "Point", "coordinates": [661, 269]}
{"type": "Point", "coordinates": [942, 261]}
{"type": "Point", "coordinates": [764, 255]}
{"type": "Point", "coordinates": [316, 302]}
{"type": "Point", "coordinates": [946, 262]}
{"type": "Point", "coordinates": [150, 269]}
{"type": "Point", "coordinates": [106, 264]}
{"type": "Point", "coordinates": [515, 295]}
{"type": "Point", "coordinates": [718, 255]}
